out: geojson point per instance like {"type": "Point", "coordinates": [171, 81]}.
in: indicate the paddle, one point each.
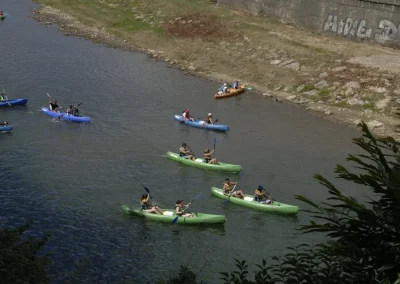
{"type": "Point", "coordinates": [227, 200]}
{"type": "Point", "coordinates": [249, 88]}
{"type": "Point", "coordinates": [191, 152]}
{"type": "Point", "coordinates": [215, 142]}
{"type": "Point", "coordinates": [4, 94]}
{"type": "Point", "coordinates": [176, 218]}
{"type": "Point", "coordinates": [148, 191]}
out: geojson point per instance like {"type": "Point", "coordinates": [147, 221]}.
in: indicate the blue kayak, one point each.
{"type": "Point", "coordinates": [6, 128]}
{"type": "Point", "coordinates": [64, 116]}
{"type": "Point", "coordinates": [17, 102]}
{"type": "Point", "coordinates": [202, 124]}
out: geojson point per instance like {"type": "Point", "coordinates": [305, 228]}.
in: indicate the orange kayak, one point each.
{"type": "Point", "coordinates": [231, 92]}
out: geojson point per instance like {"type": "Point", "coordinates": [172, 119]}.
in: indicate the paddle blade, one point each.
{"type": "Point", "coordinates": [175, 220]}
{"type": "Point", "coordinates": [48, 95]}
{"type": "Point", "coordinates": [249, 88]}
{"type": "Point", "coordinates": [225, 201]}
{"type": "Point", "coordinates": [215, 140]}
{"type": "Point", "coordinates": [197, 196]}
{"type": "Point", "coordinates": [147, 190]}
{"type": "Point", "coordinates": [79, 104]}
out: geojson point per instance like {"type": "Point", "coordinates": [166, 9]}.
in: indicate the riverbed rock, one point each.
{"type": "Point", "coordinates": [355, 101]}
{"type": "Point", "coordinates": [374, 124]}
{"type": "Point", "coordinates": [381, 104]}
{"type": "Point", "coordinates": [323, 75]}
{"type": "Point", "coordinates": [311, 92]}
{"type": "Point", "coordinates": [367, 112]}
{"type": "Point", "coordinates": [353, 85]}
{"type": "Point", "coordinates": [291, 98]}
{"type": "Point", "coordinates": [295, 66]}
{"type": "Point", "coordinates": [268, 95]}
{"type": "Point", "coordinates": [275, 62]}
{"type": "Point", "coordinates": [381, 90]}
{"type": "Point", "coordinates": [288, 89]}
{"type": "Point", "coordinates": [349, 92]}
{"type": "Point", "coordinates": [397, 92]}
{"type": "Point", "coordinates": [300, 88]}
{"type": "Point", "coordinates": [322, 84]}
{"type": "Point", "coordinates": [339, 69]}
{"type": "Point", "coordinates": [328, 112]}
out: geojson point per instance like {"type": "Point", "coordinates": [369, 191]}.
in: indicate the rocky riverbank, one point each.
{"type": "Point", "coordinates": [335, 79]}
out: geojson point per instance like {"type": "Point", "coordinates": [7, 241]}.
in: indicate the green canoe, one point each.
{"type": "Point", "coordinates": [2, 17]}
{"type": "Point", "coordinates": [223, 167]}
{"type": "Point", "coordinates": [169, 215]}
{"type": "Point", "coordinates": [249, 201]}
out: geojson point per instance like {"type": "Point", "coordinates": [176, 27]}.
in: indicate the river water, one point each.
{"type": "Point", "coordinates": [71, 179]}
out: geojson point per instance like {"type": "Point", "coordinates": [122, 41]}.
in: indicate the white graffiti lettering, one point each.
{"type": "Point", "coordinates": [385, 31]}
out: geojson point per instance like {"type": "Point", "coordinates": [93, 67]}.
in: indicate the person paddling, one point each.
{"type": "Point", "coordinates": [228, 187]}
{"type": "Point", "coordinates": [146, 206]}
{"type": "Point", "coordinates": [180, 209]}
{"type": "Point", "coordinates": [209, 118]}
{"type": "Point", "coordinates": [3, 123]}
{"type": "Point", "coordinates": [53, 105]}
{"type": "Point", "coordinates": [186, 115]}
{"type": "Point", "coordinates": [207, 157]}
{"type": "Point", "coordinates": [72, 110]}
{"type": "Point", "coordinates": [186, 153]}
{"type": "Point", "coordinates": [259, 196]}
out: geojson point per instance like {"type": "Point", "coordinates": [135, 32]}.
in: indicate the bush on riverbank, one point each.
{"type": "Point", "coordinates": [363, 243]}
{"type": "Point", "coordinates": [19, 260]}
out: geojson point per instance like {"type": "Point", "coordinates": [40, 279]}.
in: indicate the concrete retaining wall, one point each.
{"type": "Point", "coordinates": [375, 20]}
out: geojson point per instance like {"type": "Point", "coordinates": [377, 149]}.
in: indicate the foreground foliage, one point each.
{"type": "Point", "coordinates": [19, 262]}
{"type": "Point", "coordinates": [363, 239]}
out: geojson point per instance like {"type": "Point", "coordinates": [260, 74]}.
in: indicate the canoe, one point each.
{"type": "Point", "coordinates": [2, 17]}
{"type": "Point", "coordinates": [231, 92]}
{"type": "Point", "coordinates": [64, 116]}
{"type": "Point", "coordinates": [169, 215]}
{"type": "Point", "coordinates": [6, 128]}
{"type": "Point", "coordinates": [198, 163]}
{"type": "Point", "coordinates": [248, 201]}
{"type": "Point", "coordinates": [202, 124]}
{"type": "Point", "coordinates": [16, 102]}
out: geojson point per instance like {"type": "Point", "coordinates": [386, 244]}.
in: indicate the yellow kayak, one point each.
{"type": "Point", "coordinates": [231, 92]}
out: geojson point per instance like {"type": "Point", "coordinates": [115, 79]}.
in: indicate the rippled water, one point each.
{"type": "Point", "coordinates": [71, 179]}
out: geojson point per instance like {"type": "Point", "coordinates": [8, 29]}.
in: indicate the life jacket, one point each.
{"type": "Point", "coordinates": [208, 120]}
{"type": "Point", "coordinates": [180, 205]}
{"type": "Point", "coordinates": [145, 205]}
{"type": "Point", "coordinates": [228, 186]}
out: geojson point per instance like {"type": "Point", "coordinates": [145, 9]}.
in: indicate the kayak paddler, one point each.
{"type": "Point", "coordinates": [186, 153]}
{"type": "Point", "coordinates": [208, 119]}
{"type": "Point", "coordinates": [207, 157]}
{"type": "Point", "coordinates": [3, 123]}
{"type": "Point", "coordinates": [53, 105]}
{"type": "Point", "coordinates": [259, 196]}
{"type": "Point", "coordinates": [228, 187]}
{"type": "Point", "coordinates": [180, 209]}
{"type": "Point", "coordinates": [146, 206]}
{"type": "Point", "coordinates": [73, 110]}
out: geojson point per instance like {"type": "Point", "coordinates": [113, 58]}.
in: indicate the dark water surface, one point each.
{"type": "Point", "coordinates": [71, 179]}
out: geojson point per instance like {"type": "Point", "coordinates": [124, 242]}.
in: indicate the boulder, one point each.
{"type": "Point", "coordinates": [353, 85]}
{"type": "Point", "coordinates": [374, 124]}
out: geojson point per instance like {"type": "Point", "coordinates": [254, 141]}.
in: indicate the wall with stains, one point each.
{"type": "Point", "coordinates": [372, 20]}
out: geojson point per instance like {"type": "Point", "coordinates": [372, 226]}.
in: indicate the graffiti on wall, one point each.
{"type": "Point", "coordinates": [385, 31]}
